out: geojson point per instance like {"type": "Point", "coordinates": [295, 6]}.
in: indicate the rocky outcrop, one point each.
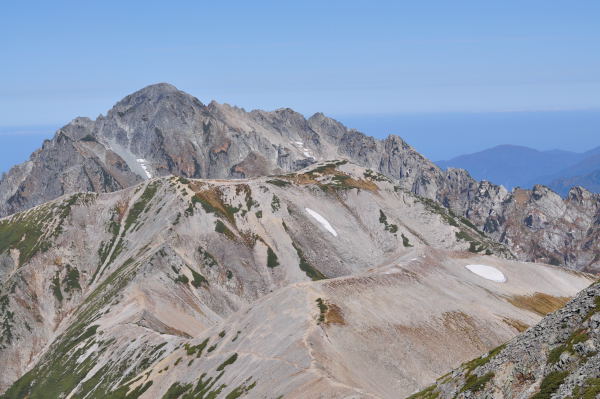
{"type": "Point", "coordinates": [538, 225]}
{"type": "Point", "coordinates": [160, 131]}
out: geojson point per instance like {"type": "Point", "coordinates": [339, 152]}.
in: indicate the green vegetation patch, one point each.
{"type": "Point", "coordinates": [392, 228]}
{"type": "Point", "coordinates": [474, 245]}
{"type": "Point", "coordinates": [471, 365]}
{"type": "Point", "coordinates": [595, 309]}
{"type": "Point", "coordinates": [196, 349]}
{"type": "Point", "coordinates": [279, 182]}
{"type": "Point", "coordinates": [322, 310]}
{"type": "Point", "coordinates": [240, 390]}
{"type": "Point", "coordinates": [275, 203]}
{"type": "Point", "coordinates": [208, 259]}
{"type": "Point", "coordinates": [113, 229]}
{"type": "Point", "coordinates": [205, 388]}
{"type": "Point", "coordinates": [192, 206]}
{"type": "Point", "coordinates": [272, 260]}
{"type": "Point", "coordinates": [575, 338]}
{"type": "Point", "coordinates": [306, 267]}
{"type": "Point", "coordinates": [550, 384]}
{"type": "Point", "coordinates": [475, 383]}
{"type": "Point", "coordinates": [227, 362]}
{"type": "Point", "coordinates": [447, 215]}
{"type": "Point", "coordinates": [427, 393]}
{"type": "Point", "coordinates": [55, 286]}
{"type": "Point", "coordinates": [376, 176]}
{"type": "Point", "coordinates": [220, 227]}
{"type": "Point", "coordinates": [176, 390]}
{"type": "Point", "coordinates": [7, 322]}
{"type": "Point", "coordinates": [59, 372]}
{"type": "Point", "coordinates": [32, 231]}
{"type": "Point", "coordinates": [198, 279]}
{"type": "Point", "coordinates": [71, 279]}
{"type": "Point", "coordinates": [141, 204]}
{"type": "Point", "coordinates": [589, 390]}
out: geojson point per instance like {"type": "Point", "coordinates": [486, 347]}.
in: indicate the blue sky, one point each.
{"type": "Point", "coordinates": [349, 59]}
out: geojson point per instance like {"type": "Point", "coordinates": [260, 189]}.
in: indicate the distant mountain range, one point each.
{"type": "Point", "coordinates": [517, 166]}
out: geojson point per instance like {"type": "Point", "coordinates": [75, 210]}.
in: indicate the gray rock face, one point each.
{"type": "Point", "coordinates": [538, 225]}
{"type": "Point", "coordinates": [160, 131]}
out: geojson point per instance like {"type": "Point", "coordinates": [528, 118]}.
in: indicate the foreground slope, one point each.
{"type": "Point", "coordinates": [384, 333]}
{"type": "Point", "coordinates": [557, 358]}
{"type": "Point", "coordinates": [161, 131]}
{"type": "Point", "coordinates": [101, 291]}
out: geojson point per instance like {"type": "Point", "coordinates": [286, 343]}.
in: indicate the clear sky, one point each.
{"type": "Point", "coordinates": [62, 59]}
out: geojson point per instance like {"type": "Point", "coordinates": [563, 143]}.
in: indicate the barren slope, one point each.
{"type": "Point", "coordinates": [98, 288]}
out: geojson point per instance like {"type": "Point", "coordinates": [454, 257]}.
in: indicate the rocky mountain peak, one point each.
{"type": "Point", "coordinates": [152, 91]}
{"type": "Point", "coordinates": [153, 98]}
{"type": "Point", "coordinates": [160, 130]}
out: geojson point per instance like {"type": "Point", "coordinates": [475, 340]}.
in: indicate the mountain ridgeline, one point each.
{"type": "Point", "coordinates": [161, 131]}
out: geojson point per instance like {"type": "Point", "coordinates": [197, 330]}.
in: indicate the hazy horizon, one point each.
{"type": "Point", "coordinates": [438, 136]}
{"type": "Point", "coordinates": [452, 78]}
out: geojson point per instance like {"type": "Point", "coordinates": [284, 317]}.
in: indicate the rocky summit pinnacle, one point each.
{"type": "Point", "coordinates": [160, 131]}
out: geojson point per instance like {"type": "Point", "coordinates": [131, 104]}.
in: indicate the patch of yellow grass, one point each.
{"type": "Point", "coordinates": [516, 324]}
{"type": "Point", "coordinates": [334, 315]}
{"type": "Point", "coordinates": [539, 302]}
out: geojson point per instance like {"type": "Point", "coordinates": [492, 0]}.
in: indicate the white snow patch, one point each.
{"type": "Point", "coordinates": [144, 164]}
{"type": "Point", "coordinates": [487, 272]}
{"type": "Point", "coordinates": [322, 220]}
{"type": "Point", "coordinates": [305, 151]}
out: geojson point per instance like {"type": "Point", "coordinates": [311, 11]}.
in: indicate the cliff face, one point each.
{"type": "Point", "coordinates": [538, 225]}
{"type": "Point", "coordinates": [160, 131]}
{"type": "Point", "coordinates": [329, 281]}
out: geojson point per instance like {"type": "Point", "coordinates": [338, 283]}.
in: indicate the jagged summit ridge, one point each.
{"type": "Point", "coordinates": [174, 133]}
{"type": "Point", "coordinates": [160, 131]}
